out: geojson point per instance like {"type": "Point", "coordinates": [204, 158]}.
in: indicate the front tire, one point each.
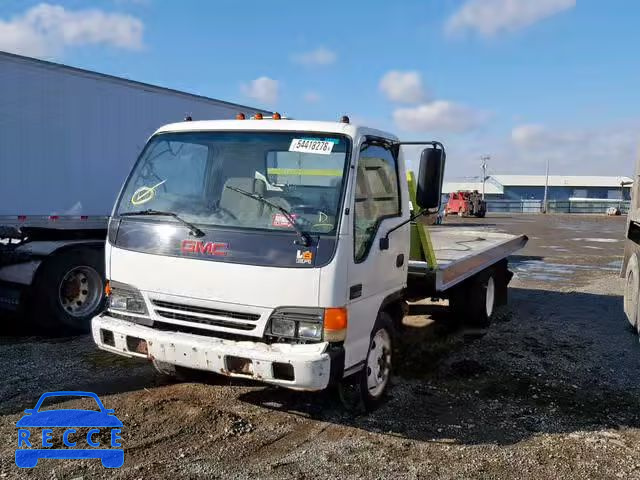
{"type": "Point", "coordinates": [632, 290]}
{"type": "Point", "coordinates": [366, 390]}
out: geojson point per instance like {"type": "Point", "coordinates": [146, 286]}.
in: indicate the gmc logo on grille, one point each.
{"type": "Point", "coordinates": [217, 249]}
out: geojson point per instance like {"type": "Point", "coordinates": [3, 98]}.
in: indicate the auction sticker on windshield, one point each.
{"type": "Point", "coordinates": [304, 145]}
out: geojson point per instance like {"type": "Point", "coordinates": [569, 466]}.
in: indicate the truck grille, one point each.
{"type": "Point", "coordinates": [206, 316]}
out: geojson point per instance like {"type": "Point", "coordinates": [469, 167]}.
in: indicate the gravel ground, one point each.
{"type": "Point", "coordinates": [549, 391]}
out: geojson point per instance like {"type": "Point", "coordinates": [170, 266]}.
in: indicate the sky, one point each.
{"type": "Point", "coordinates": [523, 81]}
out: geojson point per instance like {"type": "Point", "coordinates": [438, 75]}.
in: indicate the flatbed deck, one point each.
{"type": "Point", "coordinates": [461, 252]}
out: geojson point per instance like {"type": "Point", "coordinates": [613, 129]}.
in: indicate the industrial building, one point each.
{"type": "Point", "coordinates": [560, 187]}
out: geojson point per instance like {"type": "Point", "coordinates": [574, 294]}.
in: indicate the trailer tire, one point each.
{"type": "Point", "coordinates": [632, 290]}
{"type": "Point", "coordinates": [69, 290]}
{"type": "Point", "coordinates": [366, 390]}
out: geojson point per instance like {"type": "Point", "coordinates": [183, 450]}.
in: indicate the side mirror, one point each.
{"type": "Point", "coordinates": [429, 188]}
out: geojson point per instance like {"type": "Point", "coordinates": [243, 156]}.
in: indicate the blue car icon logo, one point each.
{"type": "Point", "coordinates": [36, 434]}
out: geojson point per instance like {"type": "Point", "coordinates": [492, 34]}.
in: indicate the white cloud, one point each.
{"type": "Point", "coordinates": [403, 87]}
{"type": "Point", "coordinates": [319, 57]}
{"type": "Point", "coordinates": [609, 150]}
{"type": "Point", "coordinates": [312, 97]}
{"type": "Point", "coordinates": [489, 17]}
{"type": "Point", "coordinates": [46, 30]}
{"type": "Point", "coordinates": [263, 89]}
{"type": "Point", "coordinates": [438, 116]}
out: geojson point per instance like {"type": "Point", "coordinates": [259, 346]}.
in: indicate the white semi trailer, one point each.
{"type": "Point", "coordinates": [284, 251]}
{"type": "Point", "coordinates": [68, 139]}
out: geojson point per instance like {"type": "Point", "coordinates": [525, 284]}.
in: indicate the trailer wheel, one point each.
{"type": "Point", "coordinates": [631, 290]}
{"type": "Point", "coordinates": [366, 390]}
{"type": "Point", "coordinates": [69, 290]}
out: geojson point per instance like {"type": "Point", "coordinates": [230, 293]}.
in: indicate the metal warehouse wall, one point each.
{"type": "Point", "coordinates": [68, 138]}
{"type": "Point", "coordinates": [562, 193]}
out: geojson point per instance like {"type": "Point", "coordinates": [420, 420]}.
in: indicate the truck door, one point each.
{"type": "Point", "coordinates": [380, 203]}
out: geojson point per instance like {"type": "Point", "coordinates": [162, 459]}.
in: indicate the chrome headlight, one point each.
{"type": "Point", "coordinates": [125, 298]}
{"type": "Point", "coordinates": [296, 323]}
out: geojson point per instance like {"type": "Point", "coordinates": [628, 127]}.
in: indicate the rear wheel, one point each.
{"type": "Point", "coordinates": [69, 290]}
{"type": "Point", "coordinates": [475, 301]}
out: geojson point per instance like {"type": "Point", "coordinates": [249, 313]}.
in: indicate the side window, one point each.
{"type": "Point", "coordinates": [377, 194]}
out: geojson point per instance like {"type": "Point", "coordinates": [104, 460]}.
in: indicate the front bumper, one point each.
{"type": "Point", "coordinates": [311, 363]}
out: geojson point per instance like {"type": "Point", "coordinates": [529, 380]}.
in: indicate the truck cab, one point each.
{"type": "Point", "coordinates": [252, 248]}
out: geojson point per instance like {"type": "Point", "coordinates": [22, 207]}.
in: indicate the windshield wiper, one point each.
{"type": "Point", "coordinates": [304, 237]}
{"type": "Point", "coordinates": [195, 231]}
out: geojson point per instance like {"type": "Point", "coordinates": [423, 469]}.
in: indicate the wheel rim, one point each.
{"type": "Point", "coordinates": [379, 363]}
{"type": "Point", "coordinates": [490, 297]}
{"type": "Point", "coordinates": [80, 291]}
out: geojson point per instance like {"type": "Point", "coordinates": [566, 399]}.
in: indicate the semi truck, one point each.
{"type": "Point", "coordinates": [287, 251]}
{"type": "Point", "coordinates": [68, 139]}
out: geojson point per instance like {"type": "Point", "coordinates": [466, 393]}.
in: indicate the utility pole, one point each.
{"type": "Point", "coordinates": [546, 189]}
{"type": "Point", "coordinates": [484, 159]}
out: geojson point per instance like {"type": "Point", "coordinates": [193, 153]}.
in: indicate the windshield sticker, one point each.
{"type": "Point", "coordinates": [281, 221]}
{"type": "Point", "coordinates": [304, 257]}
{"type": "Point", "coordinates": [303, 145]}
{"type": "Point", "coordinates": [145, 194]}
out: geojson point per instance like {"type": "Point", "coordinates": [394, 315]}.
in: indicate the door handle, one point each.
{"type": "Point", "coordinates": [355, 291]}
{"type": "Point", "coordinates": [400, 260]}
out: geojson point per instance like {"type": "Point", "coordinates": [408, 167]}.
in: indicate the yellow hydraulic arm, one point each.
{"type": "Point", "coordinates": [421, 244]}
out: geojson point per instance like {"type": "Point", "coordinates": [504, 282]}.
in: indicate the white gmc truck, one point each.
{"type": "Point", "coordinates": [286, 251]}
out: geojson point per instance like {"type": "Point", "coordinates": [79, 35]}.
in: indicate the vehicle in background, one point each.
{"type": "Point", "coordinates": [68, 140]}
{"type": "Point", "coordinates": [284, 251]}
{"type": "Point", "coordinates": [466, 204]}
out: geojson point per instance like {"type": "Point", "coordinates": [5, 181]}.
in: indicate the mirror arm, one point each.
{"type": "Point", "coordinates": [384, 241]}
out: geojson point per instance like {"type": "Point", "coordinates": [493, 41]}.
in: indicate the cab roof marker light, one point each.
{"type": "Point", "coordinates": [240, 116]}
{"type": "Point", "coordinates": [276, 116]}
{"type": "Point", "coordinates": [258, 116]}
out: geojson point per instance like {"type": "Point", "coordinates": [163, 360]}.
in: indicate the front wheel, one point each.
{"type": "Point", "coordinates": [366, 390]}
{"type": "Point", "coordinates": [631, 290]}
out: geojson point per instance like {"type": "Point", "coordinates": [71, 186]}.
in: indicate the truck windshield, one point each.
{"type": "Point", "coordinates": [204, 176]}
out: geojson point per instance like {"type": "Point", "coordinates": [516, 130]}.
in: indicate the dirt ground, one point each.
{"type": "Point", "coordinates": [549, 391]}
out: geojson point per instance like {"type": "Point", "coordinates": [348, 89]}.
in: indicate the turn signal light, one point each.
{"type": "Point", "coordinates": [107, 288]}
{"type": "Point", "coordinates": [335, 324]}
